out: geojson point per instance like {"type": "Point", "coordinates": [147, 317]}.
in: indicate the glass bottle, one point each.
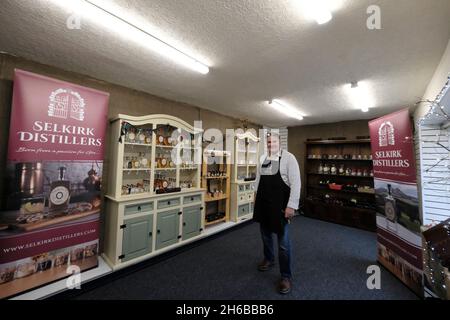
{"type": "Point", "coordinates": [148, 136]}
{"type": "Point", "coordinates": [333, 169]}
{"type": "Point", "coordinates": [131, 135]}
{"type": "Point", "coordinates": [144, 161]}
{"type": "Point", "coordinates": [141, 136]}
{"type": "Point", "coordinates": [320, 168]}
{"type": "Point", "coordinates": [60, 193]}
{"type": "Point", "coordinates": [390, 208]}
{"type": "Point", "coordinates": [137, 163]}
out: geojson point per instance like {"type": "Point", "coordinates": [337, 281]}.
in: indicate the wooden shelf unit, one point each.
{"type": "Point", "coordinates": [347, 207]}
{"type": "Point", "coordinates": [246, 156]}
{"type": "Point", "coordinates": [216, 161]}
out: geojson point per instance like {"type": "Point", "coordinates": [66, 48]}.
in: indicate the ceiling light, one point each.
{"type": "Point", "coordinates": [322, 16]}
{"type": "Point", "coordinates": [318, 10]}
{"type": "Point", "coordinates": [285, 109]}
{"type": "Point", "coordinates": [114, 19]}
{"type": "Point", "coordinates": [360, 96]}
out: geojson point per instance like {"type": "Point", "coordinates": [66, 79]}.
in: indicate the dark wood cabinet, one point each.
{"type": "Point", "coordinates": [339, 182]}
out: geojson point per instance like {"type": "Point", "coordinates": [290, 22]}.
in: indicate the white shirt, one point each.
{"type": "Point", "coordinates": [289, 171]}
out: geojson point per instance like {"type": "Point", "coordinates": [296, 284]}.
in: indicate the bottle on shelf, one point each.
{"type": "Point", "coordinates": [320, 168]}
{"type": "Point", "coordinates": [148, 136]}
{"type": "Point", "coordinates": [136, 163]}
{"type": "Point", "coordinates": [333, 169]}
{"type": "Point", "coordinates": [341, 169]}
{"type": "Point", "coordinates": [144, 160]}
{"type": "Point", "coordinates": [348, 172]}
{"type": "Point", "coordinates": [326, 169]}
{"type": "Point", "coordinates": [141, 136]}
{"type": "Point", "coordinates": [164, 162]}
{"type": "Point", "coordinates": [158, 160]}
{"type": "Point", "coordinates": [131, 136]}
{"type": "Point", "coordinates": [126, 162]}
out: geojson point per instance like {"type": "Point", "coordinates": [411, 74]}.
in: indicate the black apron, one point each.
{"type": "Point", "coordinates": [272, 198]}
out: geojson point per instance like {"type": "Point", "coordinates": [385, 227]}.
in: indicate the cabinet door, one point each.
{"type": "Point", "coordinates": [168, 228]}
{"type": "Point", "coordinates": [243, 210]}
{"type": "Point", "coordinates": [192, 222]}
{"type": "Point", "coordinates": [137, 237]}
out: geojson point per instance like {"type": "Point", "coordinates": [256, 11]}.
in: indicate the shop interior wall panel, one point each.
{"type": "Point", "coordinates": [435, 173]}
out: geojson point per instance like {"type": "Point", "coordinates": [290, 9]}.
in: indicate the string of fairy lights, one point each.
{"type": "Point", "coordinates": [437, 111]}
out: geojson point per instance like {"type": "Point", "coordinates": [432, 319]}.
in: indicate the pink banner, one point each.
{"type": "Point", "coordinates": [56, 120]}
{"type": "Point", "coordinates": [34, 243]}
{"type": "Point", "coordinates": [52, 202]}
{"type": "Point", "coordinates": [392, 147]}
{"type": "Point", "coordinates": [398, 219]}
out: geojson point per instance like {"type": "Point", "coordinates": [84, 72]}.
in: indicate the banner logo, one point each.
{"type": "Point", "coordinates": [66, 103]}
{"type": "Point", "coordinates": [386, 134]}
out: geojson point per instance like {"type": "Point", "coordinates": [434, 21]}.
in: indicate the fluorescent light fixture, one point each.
{"type": "Point", "coordinates": [285, 109]}
{"type": "Point", "coordinates": [322, 16]}
{"type": "Point", "coordinates": [114, 19]}
{"type": "Point", "coordinates": [360, 96]}
{"type": "Point", "coordinates": [318, 10]}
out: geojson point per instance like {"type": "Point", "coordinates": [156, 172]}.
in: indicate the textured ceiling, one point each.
{"type": "Point", "coordinates": [257, 50]}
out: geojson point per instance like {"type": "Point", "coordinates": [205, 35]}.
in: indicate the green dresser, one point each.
{"type": "Point", "coordinates": [168, 226]}
{"type": "Point", "coordinates": [192, 222]}
{"type": "Point", "coordinates": [137, 237]}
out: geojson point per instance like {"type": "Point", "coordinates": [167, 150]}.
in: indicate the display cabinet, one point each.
{"type": "Point", "coordinates": [339, 182]}
{"type": "Point", "coordinates": [155, 200]}
{"type": "Point", "coordinates": [245, 166]}
{"type": "Point", "coordinates": [153, 155]}
{"type": "Point", "coordinates": [216, 176]}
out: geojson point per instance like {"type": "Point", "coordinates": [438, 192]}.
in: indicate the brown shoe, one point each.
{"type": "Point", "coordinates": [285, 286]}
{"type": "Point", "coordinates": [265, 265]}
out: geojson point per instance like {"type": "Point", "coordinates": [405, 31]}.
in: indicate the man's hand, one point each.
{"type": "Point", "coordinates": [289, 213]}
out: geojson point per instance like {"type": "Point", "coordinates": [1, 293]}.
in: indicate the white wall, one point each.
{"type": "Point", "coordinates": [435, 86]}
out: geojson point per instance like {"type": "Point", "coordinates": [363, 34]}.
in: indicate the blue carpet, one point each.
{"type": "Point", "coordinates": [329, 262]}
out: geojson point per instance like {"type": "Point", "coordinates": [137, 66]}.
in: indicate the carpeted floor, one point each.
{"type": "Point", "coordinates": [330, 262]}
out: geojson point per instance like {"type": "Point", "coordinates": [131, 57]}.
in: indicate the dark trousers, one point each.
{"type": "Point", "coordinates": [284, 250]}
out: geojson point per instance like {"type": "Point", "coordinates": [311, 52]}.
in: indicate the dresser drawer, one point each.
{"type": "Point", "coordinates": [167, 203]}
{"type": "Point", "coordinates": [250, 196]}
{"type": "Point", "coordinates": [192, 199]}
{"type": "Point", "coordinates": [243, 210]}
{"type": "Point", "coordinates": [138, 208]}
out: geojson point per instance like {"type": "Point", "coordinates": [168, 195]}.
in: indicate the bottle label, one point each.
{"type": "Point", "coordinates": [59, 195]}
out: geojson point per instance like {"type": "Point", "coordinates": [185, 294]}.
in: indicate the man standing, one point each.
{"type": "Point", "coordinates": [277, 198]}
